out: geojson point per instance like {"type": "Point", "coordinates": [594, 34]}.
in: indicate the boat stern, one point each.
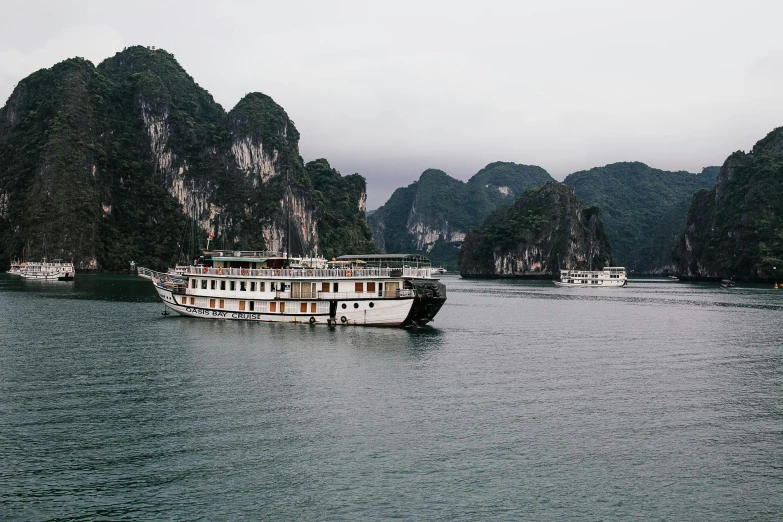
{"type": "Point", "coordinates": [430, 297]}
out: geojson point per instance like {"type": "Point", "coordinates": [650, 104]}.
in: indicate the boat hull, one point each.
{"type": "Point", "coordinates": [48, 277]}
{"type": "Point", "coordinates": [402, 311]}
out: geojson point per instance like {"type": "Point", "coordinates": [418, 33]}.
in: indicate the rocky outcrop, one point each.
{"type": "Point", "coordinates": [546, 229]}
{"type": "Point", "coordinates": [109, 165]}
{"type": "Point", "coordinates": [734, 230]}
{"type": "Point", "coordinates": [264, 141]}
{"type": "Point", "coordinates": [433, 215]}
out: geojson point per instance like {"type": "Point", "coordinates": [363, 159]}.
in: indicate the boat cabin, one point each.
{"type": "Point", "coordinates": [385, 260]}
{"type": "Point", "coordinates": [248, 259]}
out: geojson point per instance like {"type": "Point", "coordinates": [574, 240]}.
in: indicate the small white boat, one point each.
{"type": "Point", "coordinates": [16, 268]}
{"type": "Point", "coordinates": [178, 270]}
{"type": "Point", "coordinates": [609, 277]}
{"type": "Point", "coordinates": [439, 271]}
{"type": "Point", "coordinates": [308, 262]}
{"type": "Point", "coordinates": [57, 270]}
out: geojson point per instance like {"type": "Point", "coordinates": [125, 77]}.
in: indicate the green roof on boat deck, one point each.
{"type": "Point", "coordinates": [413, 258]}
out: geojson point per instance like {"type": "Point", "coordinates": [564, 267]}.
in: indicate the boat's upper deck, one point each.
{"type": "Point", "coordinates": [311, 273]}
{"type": "Point", "coordinates": [606, 270]}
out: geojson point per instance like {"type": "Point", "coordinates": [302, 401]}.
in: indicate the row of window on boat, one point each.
{"type": "Point", "coordinates": [271, 306]}
{"type": "Point", "coordinates": [359, 287]}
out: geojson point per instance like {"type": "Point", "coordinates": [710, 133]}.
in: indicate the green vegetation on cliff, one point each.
{"type": "Point", "coordinates": [643, 209]}
{"type": "Point", "coordinates": [545, 229]}
{"type": "Point", "coordinates": [432, 215]}
{"type": "Point", "coordinates": [736, 229]}
{"type": "Point", "coordinates": [504, 181]}
{"type": "Point", "coordinates": [107, 165]}
{"type": "Point", "coordinates": [342, 225]}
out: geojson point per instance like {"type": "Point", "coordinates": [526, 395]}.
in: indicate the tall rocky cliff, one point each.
{"type": "Point", "coordinates": [736, 229]}
{"type": "Point", "coordinates": [546, 229]}
{"type": "Point", "coordinates": [110, 164]}
{"type": "Point", "coordinates": [643, 209]}
{"type": "Point", "coordinates": [433, 215]}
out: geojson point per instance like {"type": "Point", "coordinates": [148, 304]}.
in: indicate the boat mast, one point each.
{"type": "Point", "coordinates": [193, 221]}
{"type": "Point", "coordinates": [288, 219]}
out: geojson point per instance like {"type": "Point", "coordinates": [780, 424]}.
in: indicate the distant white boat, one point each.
{"type": "Point", "coordinates": [16, 268]}
{"type": "Point", "coordinates": [57, 270]}
{"type": "Point", "coordinates": [439, 271]}
{"type": "Point", "coordinates": [308, 262]}
{"type": "Point", "coordinates": [609, 277]}
{"type": "Point", "coordinates": [178, 270]}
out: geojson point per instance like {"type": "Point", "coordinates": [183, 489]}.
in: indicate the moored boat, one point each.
{"type": "Point", "coordinates": [57, 270]}
{"type": "Point", "coordinates": [380, 290]}
{"type": "Point", "coordinates": [15, 268]}
{"type": "Point", "coordinates": [609, 277]}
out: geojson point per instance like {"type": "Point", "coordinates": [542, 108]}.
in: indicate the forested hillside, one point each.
{"type": "Point", "coordinates": [432, 215]}
{"type": "Point", "coordinates": [547, 228]}
{"type": "Point", "coordinates": [106, 165]}
{"type": "Point", "coordinates": [736, 229]}
{"type": "Point", "coordinates": [643, 209]}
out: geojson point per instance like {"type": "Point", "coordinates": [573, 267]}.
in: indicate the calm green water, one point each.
{"type": "Point", "coordinates": [660, 401]}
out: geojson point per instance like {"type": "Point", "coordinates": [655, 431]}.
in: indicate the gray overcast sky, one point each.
{"type": "Point", "coordinates": [388, 89]}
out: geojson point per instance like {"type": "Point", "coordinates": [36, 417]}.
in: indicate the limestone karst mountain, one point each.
{"type": "Point", "coordinates": [109, 164]}
{"type": "Point", "coordinates": [433, 214]}
{"type": "Point", "coordinates": [736, 229]}
{"type": "Point", "coordinates": [643, 209]}
{"type": "Point", "coordinates": [547, 228]}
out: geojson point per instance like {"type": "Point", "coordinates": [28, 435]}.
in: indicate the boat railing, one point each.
{"type": "Point", "coordinates": [147, 273]}
{"type": "Point", "coordinates": [177, 284]}
{"type": "Point", "coordinates": [309, 273]}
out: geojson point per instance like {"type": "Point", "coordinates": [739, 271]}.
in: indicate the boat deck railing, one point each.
{"type": "Point", "coordinates": [308, 273]}
{"type": "Point", "coordinates": [177, 284]}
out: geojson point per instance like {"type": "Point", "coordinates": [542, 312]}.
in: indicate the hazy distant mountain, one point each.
{"type": "Point", "coordinates": [433, 215]}
{"type": "Point", "coordinates": [643, 209]}
{"type": "Point", "coordinates": [545, 229]}
{"type": "Point", "coordinates": [736, 229]}
{"type": "Point", "coordinates": [106, 165]}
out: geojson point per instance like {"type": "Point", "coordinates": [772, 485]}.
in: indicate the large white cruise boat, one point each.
{"type": "Point", "coordinates": [380, 290]}
{"type": "Point", "coordinates": [609, 277]}
{"type": "Point", "coordinates": [57, 270]}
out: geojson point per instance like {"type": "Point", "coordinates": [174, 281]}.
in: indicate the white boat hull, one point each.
{"type": "Point", "coordinates": [49, 277]}
{"type": "Point", "coordinates": [383, 312]}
